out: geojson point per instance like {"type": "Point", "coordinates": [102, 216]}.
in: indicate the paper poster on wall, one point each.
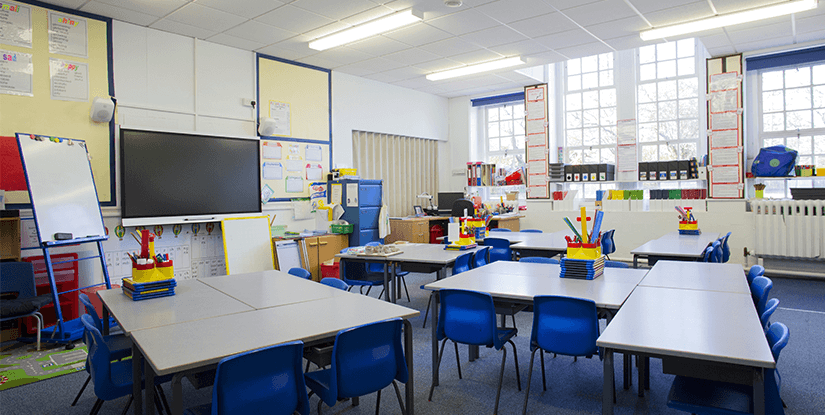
{"type": "Point", "coordinates": [68, 35]}
{"type": "Point", "coordinates": [294, 164]}
{"type": "Point", "coordinates": [725, 156]}
{"type": "Point", "coordinates": [727, 174]}
{"type": "Point", "coordinates": [271, 150]}
{"type": "Point", "coordinates": [352, 194]}
{"type": "Point", "coordinates": [279, 111]}
{"type": "Point", "coordinates": [727, 191]}
{"type": "Point", "coordinates": [535, 110]}
{"type": "Point", "coordinates": [15, 24]}
{"type": "Point", "coordinates": [336, 193]}
{"type": "Point", "coordinates": [724, 120]}
{"type": "Point", "coordinates": [266, 193]}
{"type": "Point", "coordinates": [626, 153]}
{"type": "Point", "coordinates": [294, 184]}
{"type": "Point", "coordinates": [69, 80]}
{"type": "Point", "coordinates": [314, 171]}
{"type": "Point", "coordinates": [16, 71]}
{"type": "Point", "coordinates": [724, 138]}
{"type": "Point", "coordinates": [313, 153]}
{"type": "Point", "coordinates": [273, 171]}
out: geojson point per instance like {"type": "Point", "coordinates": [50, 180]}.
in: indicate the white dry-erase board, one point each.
{"type": "Point", "coordinates": [247, 244]}
{"type": "Point", "coordinates": [61, 187]}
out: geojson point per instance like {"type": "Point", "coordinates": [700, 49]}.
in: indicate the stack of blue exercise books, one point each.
{"type": "Point", "coordinates": [145, 290]}
{"type": "Point", "coordinates": [690, 231]}
{"type": "Point", "coordinates": [582, 269]}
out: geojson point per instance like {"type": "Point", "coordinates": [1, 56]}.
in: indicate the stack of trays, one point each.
{"type": "Point", "coordinates": [582, 269]}
{"type": "Point", "coordinates": [690, 231]}
{"type": "Point", "coordinates": [456, 247]}
{"type": "Point", "coordinates": [145, 290]}
{"type": "Point", "coordinates": [555, 172]}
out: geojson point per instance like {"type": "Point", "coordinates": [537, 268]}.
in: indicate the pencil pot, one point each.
{"type": "Point", "coordinates": [166, 269]}
{"type": "Point", "coordinates": [578, 250]}
{"type": "Point", "coordinates": [143, 273]}
{"type": "Point", "coordinates": [685, 225]}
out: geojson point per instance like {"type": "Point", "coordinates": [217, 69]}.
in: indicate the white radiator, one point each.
{"type": "Point", "coordinates": [790, 228]}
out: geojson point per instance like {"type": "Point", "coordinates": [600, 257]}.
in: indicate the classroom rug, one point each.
{"type": "Point", "coordinates": [21, 364]}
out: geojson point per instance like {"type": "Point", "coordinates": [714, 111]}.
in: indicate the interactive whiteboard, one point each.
{"type": "Point", "coordinates": [61, 187]}
{"type": "Point", "coordinates": [247, 244]}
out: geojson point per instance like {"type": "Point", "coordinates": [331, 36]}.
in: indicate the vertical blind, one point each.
{"type": "Point", "coordinates": [407, 165]}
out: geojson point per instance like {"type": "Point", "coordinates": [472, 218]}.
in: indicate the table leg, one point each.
{"type": "Point", "coordinates": [137, 394]}
{"type": "Point", "coordinates": [149, 386]}
{"type": "Point", "coordinates": [105, 321]}
{"type": "Point", "coordinates": [635, 261]}
{"type": "Point", "coordinates": [177, 394]}
{"type": "Point", "coordinates": [628, 371]}
{"type": "Point", "coordinates": [473, 353]}
{"type": "Point", "coordinates": [640, 361]}
{"type": "Point", "coordinates": [387, 289]}
{"type": "Point", "coordinates": [647, 373]}
{"type": "Point", "coordinates": [408, 351]}
{"type": "Point", "coordinates": [607, 387]}
{"type": "Point", "coordinates": [434, 336]}
{"type": "Point", "coordinates": [393, 282]}
{"type": "Point", "coordinates": [759, 391]}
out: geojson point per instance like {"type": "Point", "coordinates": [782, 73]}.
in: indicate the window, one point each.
{"type": "Point", "coordinates": [668, 101]}
{"type": "Point", "coordinates": [505, 134]}
{"type": "Point", "coordinates": [793, 110]}
{"type": "Point", "coordinates": [590, 110]}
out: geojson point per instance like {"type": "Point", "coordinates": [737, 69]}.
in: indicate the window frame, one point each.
{"type": "Point", "coordinates": [569, 149]}
{"type": "Point", "coordinates": [512, 152]}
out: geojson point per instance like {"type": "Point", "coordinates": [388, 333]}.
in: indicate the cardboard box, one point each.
{"type": "Point", "coordinates": [684, 168]}
{"type": "Point", "coordinates": [643, 170]}
{"type": "Point", "coordinates": [568, 172]}
{"type": "Point", "coordinates": [673, 170]}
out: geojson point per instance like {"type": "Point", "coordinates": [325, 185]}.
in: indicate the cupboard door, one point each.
{"type": "Point", "coordinates": [328, 246]}
{"type": "Point", "coordinates": [313, 261]}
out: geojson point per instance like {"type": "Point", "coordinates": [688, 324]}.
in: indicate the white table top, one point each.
{"type": "Point", "coordinates": [193, 300]}
{"type": "Point", "coordinates": [269, 288]}
{"type": "Point", "coordinates": [192, 344]}
{"type": "Point", "coordinates": [706, 325]}
{"type": "Point", "coordinates": [697, 276]}
{"type": "Point", "coordinates": [419, 253]}
{"type": "Point", "coordinates": [523, 281]}
{"type": "Point", "coordinates": [678, 245]}
{"type": "Point", "coordinates": [538, 241]}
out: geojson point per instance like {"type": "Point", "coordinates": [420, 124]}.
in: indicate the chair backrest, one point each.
{"type": "Point", "coordinates": [706, 255]}
{"type": "Point", "coordinates": [760, 288]}
{"type": "Point", "coordinates": [499, 249]}
{"type": "Point", "coordinates": [467, 317]}
{"type": "Point", "coordinates": [725, 248]}
{"type": "Point", "coordinates": [480, 257]}
{"type": "Point", "coordinates": [716, 252]}
{"type": "Point", "coordinates": [268, 380]}
{"type": "Point", "coordinates": [368, 358]}
{"type": "Point", "coordinates": [608, 246]}
{"type": "Point", "coordinates": [17, 277]}
{"type": "Point", "coordinates": [462, 205]}
{"type": "Point", "coordinates": [351, 272]}
{"type": "Point", "coordinates": [770, 307]}
{"type": "Point", "coordinates": [531, 230]}
{"type": "Point", "coordinates": [99, 359]}
{"type": "Point", "coordinates": [300, 272]}
{"type": "Point", "coordinates": [335, 282]}
{"type": "Point", "coordinates": [565, 325]}
{"type": "Point", "coordinates": [778, 336]}
{"type": "Point", "coordinates": [462, 263]}
{"type": "Point", "coordinates": [374, 267]}
{"type": "Point", "coordinates": [755, 271]}
{"type": "Point", "coordinates": [90, 310]}
{"type": "Point", "coordinates": [616, 264]}
{"type": "Point", "coordinates": [539, 260]}
{"type": "Point", "coordinates": [500, 230]}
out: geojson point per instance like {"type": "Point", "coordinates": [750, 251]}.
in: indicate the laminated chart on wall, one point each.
{"type": "Point", "coordinates": [288, 167]}
{"type": "Point", "coordinates": [626, 152]}
{"type": "Point", "coordinates": [535, 103]}
{"type": "Point", "coordinates": [725, 138]}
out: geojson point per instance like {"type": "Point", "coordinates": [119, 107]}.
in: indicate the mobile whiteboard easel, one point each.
{"type": "Point", "coordinates": [247, 244]}
{"type": "Point", "coordinates": [66, 210]}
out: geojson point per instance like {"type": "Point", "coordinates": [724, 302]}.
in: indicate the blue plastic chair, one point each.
{"type": "Point", "coordinates": [755, 271]}
{"type": "Point", "coordinates": [268, 380]}
{"type": "Point", "coordinates": [562, 325]}
{"type": "Point", "coordinates": [335, 283]}
{"type": "Point", "coordinates": [500, 230]}
{"type": "Point", "coordinates": [469, 317]}
{"type": "Point", "coordinates": [499, 249]}
{"type": "Point", "coordinates": [716, 252]}
{"type": "Point", "coordinates": [365, 359]}
{"type": "Point", "coordinates": [725, 247]}
{"type": "Point", "coordinates": [356, 274]}
{"type": "Point", "coordinates": [616, 264]}
{"type": "Point", "coordinates": [539, 260]}
{"type": "Point", "coordinates": [462, 264]}
{"type": "Point", "coordinates": [300, 272]}
{"type": "Point", "coordinates": [18, 277]}
{"type": "Point", "coordinates": [379, 269]}
{"type": "Point", "coordinates": [765, 317]}
{"type": "Point", "coordinates": [706, 255]}
{"type": "Point", "coordinates": [531, 230]}
{"type": "Point", "coordinates": [608, 246]}
{"type": "Point", "coordinates": [480, 257]}
{"type": "Point", "coordinates": [699, 396]}
{"type": "Point", "coordinates": [760, 288]}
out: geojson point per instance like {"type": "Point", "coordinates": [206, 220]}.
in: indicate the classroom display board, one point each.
{"type": "Point", "coordinates": [54, 63]}
{"type": "Point", "coordinates": [247, 244]}
{"type": "Point", "coordinates": [725, 137]}
{"type": "Point", "coordinates": [63, 194]}
{"type": "Point", "coordinates": [535, 103]}
{"type": "Point", "coordinates": [288, 167]}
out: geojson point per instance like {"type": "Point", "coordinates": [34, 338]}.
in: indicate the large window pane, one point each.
{"type": "Point", "coordinates": [797, 77]}
{"type": "Point", "coordinates": [772, 80]}
{"type": "Point", "coordinates": [797, 98]}
{"type": "Point", "coordinates": [492, 129]}
{"type": "Point", "coordinates": [773, 101]}
{"type": "Point", "coordinates": [492, 114]}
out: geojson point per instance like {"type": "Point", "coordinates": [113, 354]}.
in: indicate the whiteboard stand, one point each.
{"type": "Point", "coordinates": [64, 200]}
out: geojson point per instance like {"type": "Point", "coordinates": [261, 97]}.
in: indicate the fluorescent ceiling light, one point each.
{"type": "Point", "coordinates": [481, 67]}
{"type": "Point", "coordinates": [365, 30]}
{"type": "Point", "coordinates": [715, 22]}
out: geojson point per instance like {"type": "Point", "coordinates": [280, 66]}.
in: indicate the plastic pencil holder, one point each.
{"type": "Point", "coordinates": [166, 269]}
{"type": "Point", "coordinates": [145, 273]}
{"type": "Point", "coordinates": [579, 250]}
{"type": "Point", "coordinates": [685, 225]}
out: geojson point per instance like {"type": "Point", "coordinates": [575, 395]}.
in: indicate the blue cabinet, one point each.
{"type": "Point", "coordinates": [363, 215]}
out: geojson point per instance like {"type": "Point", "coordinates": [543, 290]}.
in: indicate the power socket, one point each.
{"type": "Point", "coordinates": [248, 102]}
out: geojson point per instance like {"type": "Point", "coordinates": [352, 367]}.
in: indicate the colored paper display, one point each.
{"type": "Point", "coordinates": [68, 35]}
{"type": "Point", "coordinates": [15, 24]}
{"type": "Point", "coordinates": [16, 71]}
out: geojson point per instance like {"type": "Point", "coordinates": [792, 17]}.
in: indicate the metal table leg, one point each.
{"type": "Point", "coordinates": [628, 371]}
{"type": "Point", "coordinates": [759, 391]}
{"type": "Point", "coordinates": [607, 387]}
{"type": "Point", "coordinates": [408, 351]}
{"type": "Point", "coordinates": [433, 335]}
{"type": "Point", "coordinates": [640, 361]}
{"type": "Point", "coordinates": [137, 394]}
{"type": "Point", "coordinates": [149, 386]}
{"type": "Point", "coordinates": [105, 321]}
{"type": "Point", "coordinates": [177, 394]}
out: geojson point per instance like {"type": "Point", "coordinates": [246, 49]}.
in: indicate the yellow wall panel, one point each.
{"type": "Point", "coordinates": [306, 91]}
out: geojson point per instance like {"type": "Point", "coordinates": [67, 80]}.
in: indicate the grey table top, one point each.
{"type": "Point", "coordinates": [697, 276]}
{"type": "Point", "coordinates": [705, 325]}
{"type": "Point", "coordinates": [419, 253]}
{"type": "Point", "coordinates": [677, 245]}
{"type": "Point", "coordinates": [523, 281]}
{"type": "Point", "coordinates": [538, 241]}
{"type": "Point", "coordinates": [193, 300]}
{"type": "Point", "coordinates": [269, 288]}
{"type": "Point", "coordinates": [197, 343]}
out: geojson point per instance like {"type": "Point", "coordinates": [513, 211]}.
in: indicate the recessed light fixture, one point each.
{"type": "Point", "coordinates": [365, 30]}
{"type": "Point", "coordinates": [453, 3]}
{"type": "Point", "coordinates": [477, 68]}
{"type": "Point", "coordinates": [731, 19]}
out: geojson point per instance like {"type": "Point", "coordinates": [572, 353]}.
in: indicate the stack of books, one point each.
{"type": "Point", "coordinates": [456, 247]}
{"type": "Point", "coordinates": [583, 269]}
{"type": "Point", "coordinates": [145, 290]}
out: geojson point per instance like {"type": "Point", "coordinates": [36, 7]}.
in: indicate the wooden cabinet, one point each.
{"type": "Point", "coordinates": [415, 230]}
{"type": "Point", "coordinates": [323, 248]}
{"type": "Point", "coordinates": [9, 235]}
{"type": "Point", "coordinates": [512, 223]}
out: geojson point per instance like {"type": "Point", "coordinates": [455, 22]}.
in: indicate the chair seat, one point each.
{"type": "Point", "coordinates": [699, 396]}
{"type": "Point", "coordinates": [119, 346]}
{"type": "Point", "coordinates": [505, 335]}
{"type": "Point", "coordinates": [319, 382]}
{"type": "Point", "coordinates": [23, 306]}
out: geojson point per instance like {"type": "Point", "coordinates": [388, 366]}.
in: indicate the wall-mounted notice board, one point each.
{"type": "Point", "coordinates": [288, 167]}
{"type": "Point", "coordinates": [535, 109]}
{"type": "Point", "coordinates": [725, 136]}
{"type": "Point", "coordinates": [55, 62]}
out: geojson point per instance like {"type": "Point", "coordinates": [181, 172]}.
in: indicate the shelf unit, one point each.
{"type": "Point", "coordinates": [66, 279]}
{"type": "Point", "coordinates": [780, 187]}
{"type": "Point", "coordinates": [9, 235]}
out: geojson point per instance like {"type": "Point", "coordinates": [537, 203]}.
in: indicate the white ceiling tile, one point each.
{"type": "Point", "coordinates": [259, 32]}
{"type": "Point", "coordinates": [235, 42]}
{"type": "Point", "coordinates": [508, 11]}
{"type": "Point", "coordinates": [204, 17]}
{"type": "Point", "coordinates": [119, 13]}
{"type": "Point", "coordinates": [628, 42]}
{"type": "Point", "coordinates": [764, 44]}
{"type": "Point", "coordinates": [730, 6]}
{"type": "Point", "coordinates": [721, 51]}
{"type": "Point", "coordinates": [525, 47]}
{"type": "Point", "coordinates": [319, 62]}
{"type": "Point", "coordinates": [325, 30]}
{"type": "Point", "coordinates": [810, 24]}
{"type": "Point", "coordinates": [358, 69]}
{"type": "Point", "coordinates": [543, 58]}
{"type": "Point", "coordinates": [463, 22]}
{"type": "Point", "coordinates": [760, 33]}
{"type": "Point", "coordinates": [69, 4]}
{"type": "Point", "coordinates": [432, 89]}
{"type": "Point", "coordinates": [296, 44]}
{"type": "Point", "coordinates": [599, 12]}
{"type": "Point", "coordinates": [378, 46]}
{"type": "Point", "coordinates": [566, 39]}
{"type": "Point", "coordinates": [381, 64]}
{"type": "Point", "coordinates": [588, 49]}
{"type": "Point", "coordinates": [278, 52]}
{"type": "Point", "coordinates": [182, 29]}
{"type": "Point", "coordinates": [679, 14]}
{"type": "Point", "coordinates": [811, 36]}
{"type": "Point", "coordinates": [406, 72]}
{"type": "Point", "coordinates": [715, 39]}
{"type": "Point", "coordinates": [157, 8]}
{"type": "Point", "coordinates": [543, 25]}
{"type": "Point", "coordinates": [647, 6]}
{"type": "Point", "coordinates": [450, 47]}
{"type": "Point", "coordinates": [412, 56]}
{"type": "Point", "coordinates": [294, 19]}
{"type": "Point", "coordinates": [335, 9]}
{"type": "Point", "coordinates": [494, 36]}
{"type": "Point", "coordinates": [418, 34]}
{"type": "Point", "coordinates": [383, 77]}
{"type": "Point", "coordinates": [344, 55]}
{"type": "Point", "coordinates": [366, 16]}
{"type": "Point", "coordinates": [478, 56]}
{"type": "Point", "coordinates": [618, 28]}
{"type": "Point", "coordinates": [438, 65]}
{"type": "Point", "coordinates": [514, 76]}
{"type": "Point", "coordinates": [431, 8]}
{"type": "Point", "coordinates": [246, 8]}
{"type": "Point", "coordinates": [566, 4]}
{"type": "Point", "coordinates": [413, 83]}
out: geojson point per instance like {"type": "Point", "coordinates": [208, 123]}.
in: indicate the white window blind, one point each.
{"type": "Point", "coordinates": [407, 165]}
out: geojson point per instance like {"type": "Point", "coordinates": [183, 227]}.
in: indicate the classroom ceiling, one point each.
{"type": "Point", "coordinates": [541, 31]}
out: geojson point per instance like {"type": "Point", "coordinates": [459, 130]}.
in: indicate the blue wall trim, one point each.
{"type": "Point", "coordinates": [498, 99]}
{"type": "Point", "coordinates": [794, 57]}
